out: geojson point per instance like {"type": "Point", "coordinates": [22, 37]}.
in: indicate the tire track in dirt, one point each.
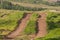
{"type": "Point", "coordinates": [20, 27]}
{"type": "Point", "coordinates": [42, 25]}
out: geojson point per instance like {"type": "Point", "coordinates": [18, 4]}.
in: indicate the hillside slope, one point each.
{"type": "Point", "coordinates": [17, 4]}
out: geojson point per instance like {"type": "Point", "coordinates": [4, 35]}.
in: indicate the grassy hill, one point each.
{"type": "Point", "coordinates": [18, 5]}
{"type": "Point", "coordinates": [9, 18]}
{"type": "Point", "coordinates": [12, 10]}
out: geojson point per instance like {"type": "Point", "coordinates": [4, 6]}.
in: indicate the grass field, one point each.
{"type": "Point", "coordinates": [9, 19]}
{"type": "Point", "coordinates": [53, 21]}
{"type": "Point", "coordinates": [31, 27]}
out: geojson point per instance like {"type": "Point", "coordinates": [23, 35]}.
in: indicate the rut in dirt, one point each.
{"type": "Point", "coordinates": [42, 25]}
{"type": "Point", "coordinates": [20, 27]}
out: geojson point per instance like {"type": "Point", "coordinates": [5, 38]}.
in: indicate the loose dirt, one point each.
{"type": "Point", "coordinates": [42, 25]}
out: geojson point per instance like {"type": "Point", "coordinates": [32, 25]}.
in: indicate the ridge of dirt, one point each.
{"type": "Point", "coordinates": [20, 27]}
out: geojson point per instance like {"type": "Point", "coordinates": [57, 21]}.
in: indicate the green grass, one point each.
{"type": "Point", "coordinates": [53, 21]}
{"type": "Point", "coordinates": [31, 26]}
{"type": "Point", "coordinates": [9, 22]}
{"type": "Point", "coordinates": [52, 35]}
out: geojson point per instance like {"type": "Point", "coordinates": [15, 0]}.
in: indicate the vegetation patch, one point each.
{"type": "Point", "coordinates": [53, 21]}
{"type": "Point", "coordinates": [31, 26]}
{"type": "Point", "coordinates": [11, 6]}
{"type": "Point", "coordinates": [9, 22]}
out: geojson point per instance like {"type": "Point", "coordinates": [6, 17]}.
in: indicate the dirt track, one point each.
{"type": "Point", "coordinates": [20, 27]}
{"type": "Point", "coordinates": [42, 26]}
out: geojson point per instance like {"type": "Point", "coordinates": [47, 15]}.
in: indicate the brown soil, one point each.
{"type": "Point", "coordinates": [42, 26]}
{"type": "Point", "coordinates": [20, 27]}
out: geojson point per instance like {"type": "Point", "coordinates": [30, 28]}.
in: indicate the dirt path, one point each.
{"type": "Point", "coordinates": [42, 26]}
{"type": "Point", "coordinates": [21, 26]}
